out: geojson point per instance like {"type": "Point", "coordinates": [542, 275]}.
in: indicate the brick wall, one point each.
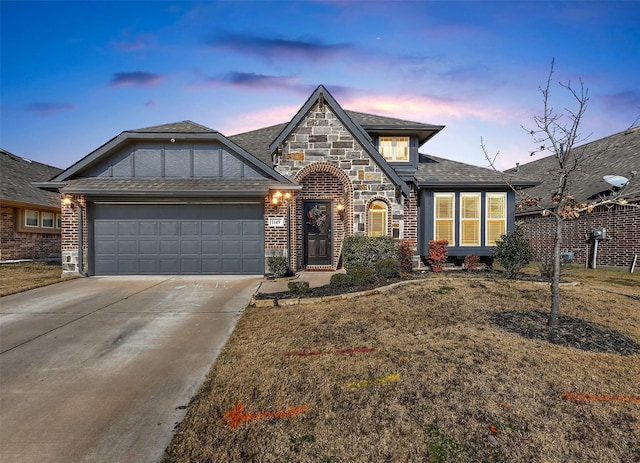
{"type": "Point", "coordinates": [22, 245]}
{"type": "Point", "coordinates": [329, 163]}
{"type": "Point", "coordinates": [622, 224]}
{"type": "Point", "coordinates": [70, 256]}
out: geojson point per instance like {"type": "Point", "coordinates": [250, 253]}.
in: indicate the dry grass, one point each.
{"type": "Point", "coordinates": [23, 276]}
{"type": "Point", "coordinates": [467, 391]}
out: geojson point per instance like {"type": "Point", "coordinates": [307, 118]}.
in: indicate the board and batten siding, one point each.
{"type": "Point", "coordinates": [174, 160]}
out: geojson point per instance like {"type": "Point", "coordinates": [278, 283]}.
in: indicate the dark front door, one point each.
{"type": "Point", "coordinates": [317, 233]}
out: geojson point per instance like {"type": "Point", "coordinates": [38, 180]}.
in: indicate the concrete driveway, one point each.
{"type": "Point", "coordinates": [101, 369]}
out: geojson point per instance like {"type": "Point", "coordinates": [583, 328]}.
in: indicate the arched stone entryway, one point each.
{"type": "Point", "coordinates": [327, 195]}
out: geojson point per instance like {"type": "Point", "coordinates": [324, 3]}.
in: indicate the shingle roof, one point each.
{"type": "Point", "coordinates": [170, 186]}
{"type": "Point", "coordinates": [617, 154]}
{"type": "Point", "coordinates": [16, 175]}
{"type": "Point", "coordinates": [176, 127]}
{"type": "Point", "coordinates": [437, 172]}
{"type": "Point", "coordinates": [257, 142]}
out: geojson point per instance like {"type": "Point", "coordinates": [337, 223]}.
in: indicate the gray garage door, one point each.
{"type": "Point", "coordinates": [151, 239]}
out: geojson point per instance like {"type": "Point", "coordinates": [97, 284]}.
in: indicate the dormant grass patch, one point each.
{"type": "Point", "coordinates": [420, 374]}
{"type": "Point", "coordinates": [23, 276]}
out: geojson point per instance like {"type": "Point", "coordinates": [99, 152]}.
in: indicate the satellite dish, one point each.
{"type": "Point", "coordinates": [616, 181]}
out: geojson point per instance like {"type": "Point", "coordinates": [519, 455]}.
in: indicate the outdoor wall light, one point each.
{"type": "Point", "coordinates": [279, 196]}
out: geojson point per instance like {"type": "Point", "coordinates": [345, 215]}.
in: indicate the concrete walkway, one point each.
{"type": "Point", "coordinates": [314, 279]}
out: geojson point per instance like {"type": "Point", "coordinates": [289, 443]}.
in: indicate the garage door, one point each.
{"type": "Point", "coordinates": [151, 239]}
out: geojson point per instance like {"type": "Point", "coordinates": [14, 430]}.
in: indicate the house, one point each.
{"type": "Point", "coordinates": [29, 217]}
{"type": "Point", "coordinates": [616, 155]}
{"type": "Point", "coordinates": [184, 198]}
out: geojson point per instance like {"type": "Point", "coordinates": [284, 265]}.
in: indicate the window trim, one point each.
{"type": "Point", "coordinates": [477, 220]}
{"type": "Point", "coordinates": [452, 219]}
{"type": "Point", "coordinates": [504, 197]}
{"type": "Point", "coordinates": [394, 152]}
{"type": "Point", "coordinates": [53, 220]}
{"type": "Point", "coordinates": [383, 210]}
{"type": "Point", "coordinates": [26, 218]}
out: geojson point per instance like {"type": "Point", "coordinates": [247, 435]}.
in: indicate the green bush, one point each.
{"type": "Point", "coordinates": [298, 288]}
{"type": "Point", "coordinates": [365, 251]}
{"type": "Point", "coordinates": [278, 266]}
{"type": "Point", "coordinates": [387, 268]}
{"type": "Point", "coordinates": [513, 251]}
{"type": "Point", "coordinates": [361, 275]}
{"type": "Point", "coordinates": [340, 280]}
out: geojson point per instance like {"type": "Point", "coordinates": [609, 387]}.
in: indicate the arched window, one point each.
{"type": "Point", "coordinates": [377, 218]}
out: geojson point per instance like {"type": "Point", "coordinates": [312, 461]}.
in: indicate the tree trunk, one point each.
{"type": "Point", "coordinates": [555, 281]}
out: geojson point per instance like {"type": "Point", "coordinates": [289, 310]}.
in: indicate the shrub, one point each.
{"type": "Point", "coordinates": [471, 262]}
{"type": "Point", "coordinates": [437, 254]}
{"type": "Point", "coordinates": [361, 275]}
{"type": "Point", "coordinates": [388, 268]}
{"type": "Point", "coordinates": [298, 288]}
{"type": "Point", "coordinates": [340, 280]}
{"type": "Point", "coordinates": [513, 251]}
{"type": "Point", "coordinates": [278, 266]}
{"type": "Point", "coordinates": [545, 268]}
{"type": "Point", "coordinates": [365, 251]}
{"type": "Point", "coordinates": [405, 254]}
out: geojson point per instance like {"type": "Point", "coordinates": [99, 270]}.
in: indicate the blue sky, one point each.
{"type": "Point", "coordinates": [75, 74]}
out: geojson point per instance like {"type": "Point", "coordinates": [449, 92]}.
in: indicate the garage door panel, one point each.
{"type": "Point", "coordinates": [148, 248]}
{"type": "Point", "coordinates": [231, 228]}
{"type": "Point", "coordinates": [169, 247]}
{"type": "Point", "coordinates": [128, 228]}
{"type": "Point", "coordinates": [210, 247]}
{"type": "Point", "coordinates": [190, 228]}
{"type": "Point", "coordinates": [190, 266]}
{"type": "Point", "coordinates": [174, 239]}
{"type": "Point", "coordinates": [211, 227]}
{"type": "Point", "coordinates": [148, 266]}
{"type": "Point", "coordinates": [252, 229]}
{"type": "Point", "coordinates": [148, 228]}
{"type": "Point", "coordinates": [169, 228]}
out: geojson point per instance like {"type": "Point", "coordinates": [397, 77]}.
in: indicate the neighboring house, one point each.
{"type": "Point", "coordinates": [183, 198]}
{"type": "Point", "coordinates": [30, 217]}
{"type": "Point", "coordinates": [618, 155]}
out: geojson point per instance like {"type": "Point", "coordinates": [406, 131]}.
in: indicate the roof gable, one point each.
{"type": "Point", "coordinates": [321, 93]}
{"type": "Point", "coordinates": [185, 131]}
{"type": "Point", "coordinates": [16, 177]}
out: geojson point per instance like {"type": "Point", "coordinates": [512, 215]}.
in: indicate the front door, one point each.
{"type": "Point", "coordinates": [317, 232]}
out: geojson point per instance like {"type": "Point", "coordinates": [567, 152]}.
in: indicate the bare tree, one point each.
{"type": "Point", "coordinates": [558, 133]}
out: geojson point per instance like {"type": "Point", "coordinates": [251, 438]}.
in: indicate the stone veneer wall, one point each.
{"type": "Point", "coordinates": [320, 143]}
{"type": "Point", "coordinates": [622, 224]}
{"type": "Point", "coordinates": [16, 245]}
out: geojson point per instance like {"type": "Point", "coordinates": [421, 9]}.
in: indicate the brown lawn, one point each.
{"type": "Point", "coordinates": [429, 378]}
{"type": "Point", "coordinates": [23, 276]}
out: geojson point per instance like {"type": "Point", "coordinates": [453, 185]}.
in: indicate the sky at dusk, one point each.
{"type": "Point", "coordinates": [75, 74]}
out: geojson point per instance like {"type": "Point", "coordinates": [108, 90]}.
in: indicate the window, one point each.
{"type": "Point", "coordinates": [444, 217]}
{"type": "Point", "coordinates": [377, 218]}
{"type": "Point", "coordinates": [31, 219]}
{"type": "Point", "coordinates": [48, 219]}
{"type": "Point", "coordinates": [394, 149]}
{"type": "Point", "coordinates": [58, 221]}
{"type": "Point", "coordinates": [470, 219]}
{"type": "Point", "coordinates": [496, 217]}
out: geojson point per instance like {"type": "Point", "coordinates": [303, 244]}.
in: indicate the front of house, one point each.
{"type": "Point", "coordinates": [184, 199]}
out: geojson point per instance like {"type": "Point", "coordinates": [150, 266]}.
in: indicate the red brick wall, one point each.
{"type": "Point", "coordinates": [622, 224]}
{"type": "Point", "coordinates": [18, 245]}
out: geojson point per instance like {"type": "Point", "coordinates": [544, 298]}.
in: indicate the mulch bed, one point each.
{"type": "Point", "coordinates": [570, 332]}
